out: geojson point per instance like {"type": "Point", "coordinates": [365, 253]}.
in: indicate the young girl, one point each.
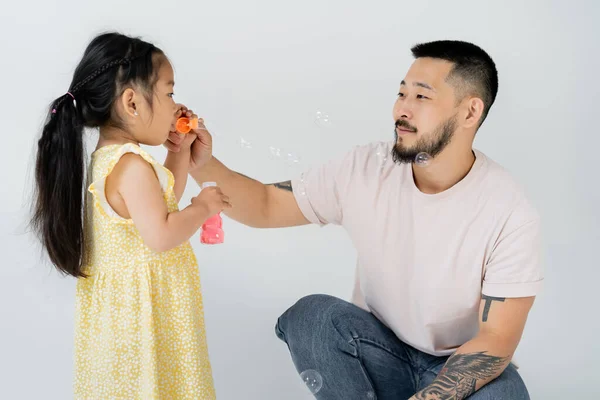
{"type": "Point", "coordinates": [139, 317]}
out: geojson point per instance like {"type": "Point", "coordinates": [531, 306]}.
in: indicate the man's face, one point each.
{"type": "Point", "coordinates": [425, 111]}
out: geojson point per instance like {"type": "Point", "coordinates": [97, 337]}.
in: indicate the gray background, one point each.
{"type": "Point", "coordinates": [261, 70]}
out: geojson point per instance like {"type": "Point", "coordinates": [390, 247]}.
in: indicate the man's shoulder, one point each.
{"type": "Point", "coordinates": [506, 190]}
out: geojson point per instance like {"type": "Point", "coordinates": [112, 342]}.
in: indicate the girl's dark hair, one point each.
{"type": "Point", "coordinates": [110, 63]}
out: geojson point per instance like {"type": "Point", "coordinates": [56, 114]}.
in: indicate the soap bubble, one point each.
{"type": "Point", "coordinates": [244, 144]}
{"type": "Point", "coordinates": [322, 120]}
{"type": "Point", "coordinates": [302, 185]}
{"type": "Point", "coordinates": [382, 155]}
{"type": "Point", "coordinates": [422, 159]}
{"type": "Point", "coordinates": [313, 380]}
{"type": "Point", "coordinates": [292, 159]}
{"type": "Point", "coordinates": [275, 153]}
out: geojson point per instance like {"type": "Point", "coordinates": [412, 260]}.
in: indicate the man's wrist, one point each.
{"type": "Point", "coordinates": [194, 168]}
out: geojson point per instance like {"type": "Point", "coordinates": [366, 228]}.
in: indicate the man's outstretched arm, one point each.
{"type": "Point", "coordinates": [254, 203]}
{"type": "Point", "coordinates": [484, 358]}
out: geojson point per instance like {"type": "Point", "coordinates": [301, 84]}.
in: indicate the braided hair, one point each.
{"type": "Point", "coordinates": [77, 87]}
{"type": "Point", "coordinates": [110, 62]}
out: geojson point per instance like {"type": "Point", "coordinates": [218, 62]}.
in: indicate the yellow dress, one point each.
{"type": "Point", "coordinates": [139, 315]}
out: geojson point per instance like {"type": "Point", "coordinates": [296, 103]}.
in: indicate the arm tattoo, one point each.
{"type": "Point", "coordinates": [287, 185]}
{"type": "Point", "coordinates": [458, 379]}
{"type": "Point", "coordinates": [488, 303]}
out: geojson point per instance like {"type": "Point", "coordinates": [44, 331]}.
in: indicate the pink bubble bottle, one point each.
{"type": "Point", "coordinates": [212, 229]}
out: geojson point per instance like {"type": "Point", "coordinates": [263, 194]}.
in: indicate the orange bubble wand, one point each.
{"type": "Point", "coordinates": [185, 124]}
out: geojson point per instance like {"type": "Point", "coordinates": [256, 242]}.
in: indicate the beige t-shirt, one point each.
{"type": "Point", "coordinates": [424, 260]}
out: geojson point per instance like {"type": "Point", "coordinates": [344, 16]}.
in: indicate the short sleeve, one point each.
{"type": "Point", "coordinates": [320, 191]}
{"type": "Point", "coordinates": [514, 268]}
{"type": "Point", "coordinates": [98, 186]}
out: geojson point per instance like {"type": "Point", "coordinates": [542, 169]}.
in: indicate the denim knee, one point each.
{"type": "Point", "coordinates": [304, 315]}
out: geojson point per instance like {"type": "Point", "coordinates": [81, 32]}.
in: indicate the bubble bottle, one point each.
{"type": "Point", "coordinates": [212, 229]}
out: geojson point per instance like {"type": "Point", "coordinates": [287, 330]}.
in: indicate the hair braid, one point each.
{"type": "Point", "coordinates": [99, 71]}
{"type": "Point", "coordinates": [91, 77]}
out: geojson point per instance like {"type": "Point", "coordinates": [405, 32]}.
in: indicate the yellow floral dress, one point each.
{"type": "Point", "coordinates": [139, 315]}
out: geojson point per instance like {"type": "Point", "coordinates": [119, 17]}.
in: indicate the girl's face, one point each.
{"type": "Point", "coordinates": [156, 119]}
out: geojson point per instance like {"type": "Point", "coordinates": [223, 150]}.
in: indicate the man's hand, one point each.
{"type": "Point", "coordinates": [198, 140]}
{"type": "Point", "coordinates": [181, 147]}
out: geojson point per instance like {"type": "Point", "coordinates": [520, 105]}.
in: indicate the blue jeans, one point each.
{"type": "Point", "coordinates": [358, 357]}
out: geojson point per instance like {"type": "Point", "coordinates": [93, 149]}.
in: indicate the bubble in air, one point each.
{"type": "Point", "coordinates": [275, 153]}
{"type": "Point", "coordinates": [382, 155]}
{"type": "Point", "coordinates": [302, 185]}
{"type": "Point", "coordinates": [322, 119]}
{"type": "Point", "coordinates": [292, 159]}
{"type": "Point", "coordinates": [422, 159]}
{"type": "Point", "coordinates": [313, 380]}
{"type": "Point", "coordinates": [244, 144]}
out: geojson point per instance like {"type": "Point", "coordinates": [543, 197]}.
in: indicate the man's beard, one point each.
{"type": "Point", "coordinates": [432, 145]}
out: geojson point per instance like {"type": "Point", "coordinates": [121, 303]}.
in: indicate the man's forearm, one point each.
{"type": "Point", "coordinates": [247, 196]}
{"type": "Point", "coordinates": [474, 365]}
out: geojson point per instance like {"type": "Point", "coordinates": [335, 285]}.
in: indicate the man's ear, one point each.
{"type": "Point", "coordinates": [474, 111]}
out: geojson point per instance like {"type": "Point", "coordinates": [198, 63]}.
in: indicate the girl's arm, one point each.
{"type": "Point", "coordinates": [133, 191]}
{"type": "Point", "coordinates": [178, 164]}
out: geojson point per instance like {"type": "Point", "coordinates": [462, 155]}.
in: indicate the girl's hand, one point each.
{"type": "Point", "coordinates": [182, 141]}
{"type": "Point", "coordinates": [212, 200]}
